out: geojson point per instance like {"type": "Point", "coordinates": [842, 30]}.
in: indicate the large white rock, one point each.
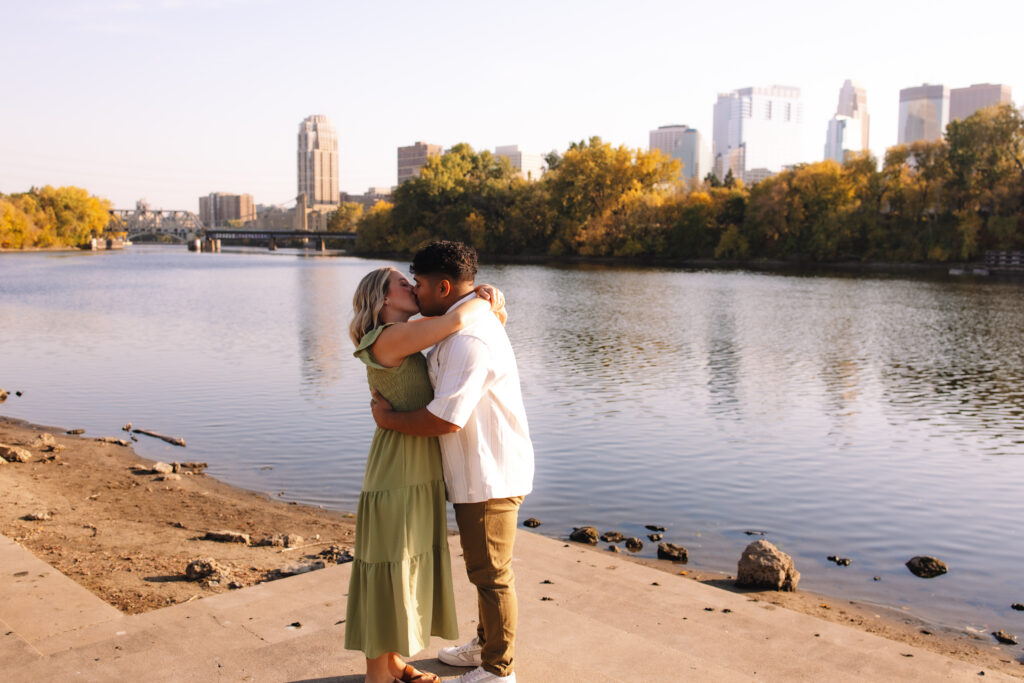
{"type": "Point", "coordinates": [14, 453]}
{"type": "Point", "coordinates": [766, 567]}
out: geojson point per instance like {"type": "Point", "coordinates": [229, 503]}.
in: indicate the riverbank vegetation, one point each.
{"type": "Point", "coordinates": [51, 217]}
{"type": "Point", "coordinates": [939, 201]}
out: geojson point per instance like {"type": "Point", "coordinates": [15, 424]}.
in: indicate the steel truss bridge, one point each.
{"type": "Point", "coordinates": [143, 221]}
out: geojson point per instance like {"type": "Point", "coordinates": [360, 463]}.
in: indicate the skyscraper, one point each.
{"type": "Point", "coordinates": [848, 131]}
{"type": "Point", "coordinates": [318, 162]}
{"type": "Point", "coordinates": [965, 101]}
{"type": "Point", "coordinates": [414, 157]}
{"type": "Point", "coordinates": [685, 144]}
{"type": "Point", "coordinates": [924, 113]}
{"type": "Point", "coordinates": [757, 131]}
{"type": "Point", "coordinates": [530, 166]}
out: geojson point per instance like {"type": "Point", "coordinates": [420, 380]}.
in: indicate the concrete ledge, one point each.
{"type": "Point", "coordinates": [605, 619]}
{"type": "Point", "coordinates": [37, 601]}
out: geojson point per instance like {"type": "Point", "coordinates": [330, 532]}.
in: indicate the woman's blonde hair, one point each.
{"type": "Point", "coordinates": [368, 302]}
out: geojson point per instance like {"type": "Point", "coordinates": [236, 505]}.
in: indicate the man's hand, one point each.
{"type": "Point", "coordinates": [380, 408]}
{"type": "Point", "coordinates": [416, 422]}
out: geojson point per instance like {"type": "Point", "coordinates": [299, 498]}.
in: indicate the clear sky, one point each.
{"type": "Point", "coordinates": [171, 99]}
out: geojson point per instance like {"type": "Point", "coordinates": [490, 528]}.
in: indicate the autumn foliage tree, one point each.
{"type": "Point", "coordinates": [930, 201]}
{"type": "Point", "coordinates": [51, 217]}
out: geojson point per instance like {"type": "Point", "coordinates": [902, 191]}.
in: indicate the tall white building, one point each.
{"type": "Point", "coordinates": [685, 144]}
{"type": "Point", "coordinates": [848, 131]}
{"type": "Point", "coordinates": [757, 131]}
{"type": "Point", "coordinates": [530, 166]}
{"type": "Point", "coordinates": [318, 161]}
{"type": "Point", "coordinates": [924, 113]}
{"type": "Point", "coordinates": [965, 101]}
{"type": "Point", "coordinates": [844, 138]}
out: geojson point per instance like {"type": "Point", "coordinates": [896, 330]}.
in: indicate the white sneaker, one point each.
{"type": "Point", "coordinates": [479, 675]}
{"type": "Point", "coordinates": [463, 655]}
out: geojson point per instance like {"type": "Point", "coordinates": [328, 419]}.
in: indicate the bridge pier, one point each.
{"type": "Point", "coordinates": [273, 245]}
{"type": "Point", "coordinates": [320, 245]}
{"type": "Point", "coordinates": [206, 246]}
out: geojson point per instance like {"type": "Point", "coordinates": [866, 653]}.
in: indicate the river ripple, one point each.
{"type": "Point", "coordinates": [870, 417]}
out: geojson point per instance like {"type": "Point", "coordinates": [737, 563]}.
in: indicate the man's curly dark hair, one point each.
{"type": "Point", "coordinates": [454, 259]}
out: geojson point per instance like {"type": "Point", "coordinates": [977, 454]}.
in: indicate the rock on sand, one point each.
{"type": "Point", "coordinates": [584, 534]}
{"type": "Point", "coordinates": [765, 566]}
{"type": "Point", "coordinates": [671, 551]}
{"type": "Point", "coordinates": [14, 454]}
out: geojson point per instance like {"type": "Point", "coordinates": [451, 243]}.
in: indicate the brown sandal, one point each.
{"type": "Point", "coordinates": [412, 675]}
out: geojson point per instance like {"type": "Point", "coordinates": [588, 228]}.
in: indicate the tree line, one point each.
{"type": "Point", "coordinates": [50, 217]}
{"type": "Point", "coordinates": [938, 201]}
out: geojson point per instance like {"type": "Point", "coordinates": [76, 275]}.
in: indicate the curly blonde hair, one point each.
{"type": "Point", "coordinates": [368, 302]}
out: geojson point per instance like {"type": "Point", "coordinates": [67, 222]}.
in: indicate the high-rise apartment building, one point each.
{"type": "Point", "coordinates": [757, 131]}
{"type": "Point", "coordinates": [924, 113]}
{"type": "Point", "coordinates": [414, 157]}
{"type": "Point", "coordinates": [318, 162]}
{"type": "Point", "coordinates": [530, 166]}
{"type": "Point", "coordinates": [217, 208]}
{"type": "Point", "coordinates": [685, 144]}
{"type": "Point", "coordinates": [848, 131]}
{"type": "Point", "coordinates": [965, 101]}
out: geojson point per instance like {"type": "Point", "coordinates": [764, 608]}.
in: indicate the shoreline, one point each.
{"type": "Point", "coordinates": [759, 265]}
{"type": "Point", "coordinates": [127, 534]}
{"type": "Point", "coordinates": [127, 537]}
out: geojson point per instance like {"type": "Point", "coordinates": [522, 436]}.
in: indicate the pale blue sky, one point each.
{"type": "Point", "coordinates": [169, 100]}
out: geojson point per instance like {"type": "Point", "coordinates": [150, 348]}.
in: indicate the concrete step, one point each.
{"type": "Point", "coordinates": [15, 652]}
{"type": "Point", "coordinates": [605, 621]}
{"type": "Point", "coordinates": [37, 601]}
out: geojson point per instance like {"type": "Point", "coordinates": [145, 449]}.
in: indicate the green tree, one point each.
{"type": "Point", "coordinates": [986, 178]}
{"type": "Point", "coordinates": [345, 218]}
{"type": "Point", "coordinates": [591, 187]}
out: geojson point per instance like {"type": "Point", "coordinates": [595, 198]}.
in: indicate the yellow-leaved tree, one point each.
{"type": "Point", "coordinates": [51, 217]}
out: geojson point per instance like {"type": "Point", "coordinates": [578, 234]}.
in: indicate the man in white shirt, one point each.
{"type": "Point", "coordinates": [478, 416]}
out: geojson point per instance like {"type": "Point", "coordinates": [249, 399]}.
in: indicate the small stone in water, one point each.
{"type": "Point", "coordinates": [532, 522]}
{"type": "Point", "coordinates": [654, 527]}
{"type": "Point", "coordinates": [1005, 638]}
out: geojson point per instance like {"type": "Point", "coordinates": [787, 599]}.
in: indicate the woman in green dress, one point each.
{"type": "Point", "coordinates": [400, 592]}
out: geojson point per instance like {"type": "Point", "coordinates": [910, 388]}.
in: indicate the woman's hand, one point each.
{"type": "Point", "coordinates": [493, 295]}
{"type": "Point", "coordinates": [496, 299]}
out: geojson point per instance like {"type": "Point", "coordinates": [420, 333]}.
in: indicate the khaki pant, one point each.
{"type": "Point", "coordinates": [488, 532]}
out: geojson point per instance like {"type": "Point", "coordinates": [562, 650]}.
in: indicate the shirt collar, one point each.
{"type": "Point", "coordinates": [471, 295]}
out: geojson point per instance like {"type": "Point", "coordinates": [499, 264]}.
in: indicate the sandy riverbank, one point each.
{"type": "Point", "coordinates": [127, 537]}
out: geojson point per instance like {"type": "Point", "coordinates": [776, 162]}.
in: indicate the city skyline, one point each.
{"type": "Point", "coordinates": [128, 99]}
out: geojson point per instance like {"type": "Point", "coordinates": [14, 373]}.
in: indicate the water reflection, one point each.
{"type": "Point", "coordinates": [322, 326]}
{"type": "Point", "coordinates": [852, 415]}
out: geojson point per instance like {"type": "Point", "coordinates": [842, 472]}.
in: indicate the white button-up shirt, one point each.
{"type": "Point", "coordinates": [476, 386]}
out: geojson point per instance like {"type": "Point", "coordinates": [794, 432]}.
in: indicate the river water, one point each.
{"type": "Point", "coordinates": [874, 418]}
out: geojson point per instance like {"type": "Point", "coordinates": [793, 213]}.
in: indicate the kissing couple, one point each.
{"type": "Point", "coordinates": [452, 425]}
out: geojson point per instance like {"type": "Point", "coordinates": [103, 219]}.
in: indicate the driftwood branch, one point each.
{"type": "Point", "coordinates": [177, 441]}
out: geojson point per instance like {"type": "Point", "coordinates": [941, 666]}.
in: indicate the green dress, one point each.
{"type": "Point", "coordinates": [400, 592]}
